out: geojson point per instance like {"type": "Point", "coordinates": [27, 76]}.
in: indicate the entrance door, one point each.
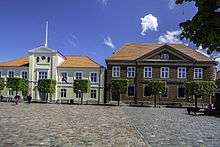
{"type": "Point", "coordinates": [115, 95]}
{"type": "Point", "coordinates": [43, 97]}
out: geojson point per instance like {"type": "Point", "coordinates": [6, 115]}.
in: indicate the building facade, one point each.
{"type": "Point", "coordinates": [46, 63]}
{"type": "Point", "coordinates": [173, 63]}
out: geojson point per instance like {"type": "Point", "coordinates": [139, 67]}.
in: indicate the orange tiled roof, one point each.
{"type": "Point", "coordinates": [70, 61]}
{"type": "Point", "coordinates": [135, 51]}
{"type": "Point", "coordinates": [24, 61]}
{"type": "Point", "coordinates": [79, 61]}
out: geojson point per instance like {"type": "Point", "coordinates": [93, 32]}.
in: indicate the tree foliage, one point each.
{"type": "Point", "coordinates": [82, 85]}
{"type": "Point", "coordinates": [157, 87]}
{"type": "Point", "coordinates": [204, 28]}
{"type": "Point", "coordinates": [17, 84]}
{"type": "Point", "coordinates": [47, 86]}
{"type": "Point", "coordinates": [2, 84]}
{"type": "Point", "coordinates": [201, 88]}
{"type": "Point", "coordinates": [120, 85]}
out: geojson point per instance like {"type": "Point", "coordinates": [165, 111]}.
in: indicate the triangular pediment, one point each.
{"type": "Point", "coordinates": [42, 50]}
{"type": "Point", "coordinates": [173, 55]}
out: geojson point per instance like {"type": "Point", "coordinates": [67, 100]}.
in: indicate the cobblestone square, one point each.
{"type": "Point", "coordinates": [65, 125]}
{"type": "Point", "coordinates": [86, 125]}
{"type": "Point", "coordinates": [174, 127]}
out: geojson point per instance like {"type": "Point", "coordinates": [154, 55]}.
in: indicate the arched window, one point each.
{"type": "Point", "coordinates": [164, 56]}
{"type": "Point", "coordinates": [38, 59]}
{"type": "Point", "coordinates": [48, 59]}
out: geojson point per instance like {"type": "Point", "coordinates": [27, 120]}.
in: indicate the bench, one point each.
{"type": "Point", "coordinates": [195, 110]}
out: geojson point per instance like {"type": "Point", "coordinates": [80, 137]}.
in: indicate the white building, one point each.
{"type": "Point", "coordinates": [46, 63]}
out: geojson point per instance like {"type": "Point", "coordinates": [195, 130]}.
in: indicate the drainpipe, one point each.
{"type": "Point", "coordinates": [99, 84]}
{"type": "Point", "coordinates": [136, 83]}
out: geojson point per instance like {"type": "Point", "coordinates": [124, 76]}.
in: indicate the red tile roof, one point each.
{"type": "Point", "coordinates": [135, 51]}
{"type": "Point", "coordinates": [70, 62]}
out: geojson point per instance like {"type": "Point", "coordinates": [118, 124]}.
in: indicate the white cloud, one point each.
{"type": "Point", "coordinates": [149, 22]}
{"type": "Point", "coordinates": [170, 37]}
{"type": "Point", "coordinates": [108, 42]}
{"type": "Point", "coordinates": [104, 2]}
{"type": "Point", "coordinates": [172, 4]}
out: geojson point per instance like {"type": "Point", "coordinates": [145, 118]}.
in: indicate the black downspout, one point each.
{"type": "Point", "coordinates": [136, 83]}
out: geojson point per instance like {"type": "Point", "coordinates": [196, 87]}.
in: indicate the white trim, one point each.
{"type": "Point", "coordinates": [161, 73]}
{"type": "Point", "coordinates": [134, 71]}
{"type": "Point", "coordinates": [96, 93]}
{"type": "Point", "coordinates": [134, 90]}
{"type": "Point", "coordinates": [96, 77]}
{"type": "Point", "coordinates": [194, 74]}
{"type": "Point", "coordinates": [181, 74]}
{"type": "Point", "coordinates": [149, 67]}
{"type": "Point", "coordinates": [78, 72]}
{"type": "Point", "coordinates": [113, 71]}
{"type": "Point", "coordinates": [177, 92]}
{"type": "Point", "coordinates": [10, 71]}
{"type": "Point", "coordinates": [22, 72]}
{"type": "Point", "coordinates": [42, 70]}
{"type": "Point", "coordinates": [64, 89]}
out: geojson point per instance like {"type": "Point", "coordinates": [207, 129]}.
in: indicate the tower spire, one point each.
{"type": "Point", "coordinates": [46, 41]}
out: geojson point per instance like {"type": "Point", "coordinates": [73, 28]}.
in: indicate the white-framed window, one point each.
{"type": "Point", "coordinates": [42, 75]}
{"type": "Point", "coordinates": [116, 71]}
{"type": "Point", "coordinates": [164, 72]}
{"type": "Point", "coordinates": [131, 90]}
{"type": "Point", "coordinates": [24, 74]}
{"type": "Point", "coordinates": [181, 92]}
{"type": "Point", "coordinates": [10, 92]}
{"type": "Point", "coordinates": [93, 77]}
{"type": "Point", "coordinates": [198, 73]}
{"type": "Point", "coordinates": [48, 59]}
{"type": "Point", "coordinates": [78, 75]}
{"type": "Point", "coordinates": [148, 72]}
{"type": "Point", "coordinates": [93, 94]}
{"type": "Point", "coordinates": [181, 72]}
{"type": "Point", "coordinates": [63, 76]}
{"type": "Point", "coordinates": [38, 59]}
{"type": "Point", "coordinates": [63, 93]}
{"type": "Point", "coordinates": [131, 71]}
{"type": "Point", "coordinates": [78, 95]}
{"type": "Point", "coordinates": [164, 56]}
{"type": "Point", "coordinates": [11, 73]}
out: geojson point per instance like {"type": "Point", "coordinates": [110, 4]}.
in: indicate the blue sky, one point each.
{"type": "Point", "coordinates": [88, 27]}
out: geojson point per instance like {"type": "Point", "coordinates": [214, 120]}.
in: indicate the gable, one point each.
{"type": "Point", "coordinates": [172, 53]}
{"type": "Point", "coordinates": [42, 50]}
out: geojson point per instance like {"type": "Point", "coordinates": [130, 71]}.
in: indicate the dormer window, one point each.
{"type": "Point", "coordinates": [48, 59]}
{"type": "Point", "coordinates": [43, 57]}
{"type": "Point", "coordinates": [38, 59]}
{"type": "Point", "coordinates": [164, 56]}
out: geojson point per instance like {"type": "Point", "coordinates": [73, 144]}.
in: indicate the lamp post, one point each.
{"type": "Point", "coordinates": [79, 92]}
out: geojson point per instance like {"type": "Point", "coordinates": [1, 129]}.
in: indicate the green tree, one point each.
{"type": "Point", "coordinates": [17, 84]}
{"type": "Point", "coordinates": [47, 86]}
{"type": "Point", "coordinates": [157, 88]}
{"type": "Point", "coordinates": [80, 87]}
{"type": "Point", "coordinates": [204, 28]}
{"type": "Point", "coordinates": [119, 86]}
{"type": "Point", "coordinates": [201, 88]}
{"type": "Point", "coordinates": [2, 84]}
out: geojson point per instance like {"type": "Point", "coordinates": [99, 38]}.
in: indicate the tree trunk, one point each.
{"type": "Point", "coordinates": [81, 95]}
{"type": "Point", "coordinates": [195, 101]}
{"type": "Point", "coordinates": [118, 98]}
{"type": "Point", "coordinates": [155, 100]}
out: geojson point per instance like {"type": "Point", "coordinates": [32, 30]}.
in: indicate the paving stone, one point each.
{"type": "Point", "coordinates": [174, 127]}
{"type": "Point", "coordinates": [65, 125]}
